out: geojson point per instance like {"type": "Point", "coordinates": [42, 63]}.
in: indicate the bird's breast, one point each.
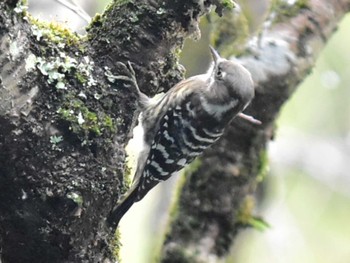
{"type": "Point", "coordinates": [218, 108]}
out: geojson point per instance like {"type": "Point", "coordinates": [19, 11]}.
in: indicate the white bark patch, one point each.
{"type": "Point", "coordinates": [30, 62]}
{"type": "Point", "coordinates": [273, 58]}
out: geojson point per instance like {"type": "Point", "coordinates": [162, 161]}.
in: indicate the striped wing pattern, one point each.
{"type": "Point", "coordinates": [180, 139]}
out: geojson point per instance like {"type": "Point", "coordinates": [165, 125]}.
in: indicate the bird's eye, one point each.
{"type": "Point", "coordinates": [219, 73]}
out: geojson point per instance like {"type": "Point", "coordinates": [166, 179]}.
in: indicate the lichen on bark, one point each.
{"type": "Point", "coordinates": [64, 121]}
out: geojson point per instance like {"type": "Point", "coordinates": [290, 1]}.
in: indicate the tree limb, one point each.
{"type": "Point", "coordinates": [216, 200]}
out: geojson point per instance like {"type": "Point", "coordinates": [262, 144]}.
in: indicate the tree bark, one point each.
{"type": "Point", "coordinates": [216, 200]}
{"type": "Point", "coordinates": [64, 122]}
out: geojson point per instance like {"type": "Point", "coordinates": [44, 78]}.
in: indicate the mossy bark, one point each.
{"type": "Point", "coordinates": [64, 121]}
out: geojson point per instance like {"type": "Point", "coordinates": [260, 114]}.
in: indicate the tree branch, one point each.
{"type": "Point", "coordinates": [216, 200]}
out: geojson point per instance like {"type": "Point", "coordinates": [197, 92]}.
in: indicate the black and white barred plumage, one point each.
{"type": "Point", "coordinates": [185, 121]}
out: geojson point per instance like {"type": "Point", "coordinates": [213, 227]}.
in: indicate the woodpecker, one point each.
{"type": "Point", "coordinates": [183, 122]}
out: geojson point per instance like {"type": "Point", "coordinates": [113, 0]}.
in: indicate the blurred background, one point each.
{"type": "Point", "coordinates": [307, 192]}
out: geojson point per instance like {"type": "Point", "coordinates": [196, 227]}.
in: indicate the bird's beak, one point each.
{"type": "Point", "coordinates": [215, 55]}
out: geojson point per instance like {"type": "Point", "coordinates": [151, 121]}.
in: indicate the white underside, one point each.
{"type": "Point", "coordinates": [217, 110]}
{"type": "Point", "coordinates": [134, 147]}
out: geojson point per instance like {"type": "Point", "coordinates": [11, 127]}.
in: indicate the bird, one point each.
{"type": "Point", "coordinates": [180, 124]}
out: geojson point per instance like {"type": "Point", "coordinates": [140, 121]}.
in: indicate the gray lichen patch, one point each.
{"type": "Point", "coordinates": [56, 68]}
{"type": "Point", "coordinates": [274, 57]}
{"type": "Point", "coordinates": [12, 69]}
{"type": "Point", "coordinates": [62, 66]}
{"type": "Point", "coordinates": [21, 7]}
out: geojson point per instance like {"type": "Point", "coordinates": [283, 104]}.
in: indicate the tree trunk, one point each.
{"type": "Point", "coordinates": [64, 122]}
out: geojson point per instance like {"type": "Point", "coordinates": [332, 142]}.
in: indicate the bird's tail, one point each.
{"type": "Point", "coordinates": [122, 207]}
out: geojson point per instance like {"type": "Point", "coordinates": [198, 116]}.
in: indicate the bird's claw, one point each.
{"type": "Point", "coordinates": [130, 74]}
{"type": "Point", "coordinates": [127, 68]}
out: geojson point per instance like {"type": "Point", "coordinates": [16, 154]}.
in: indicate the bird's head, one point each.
{"type": "Point", "coordinates": [232, 76]}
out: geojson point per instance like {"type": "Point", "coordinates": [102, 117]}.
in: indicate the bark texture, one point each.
{"type": "Point", "coordinates": [216, 199]}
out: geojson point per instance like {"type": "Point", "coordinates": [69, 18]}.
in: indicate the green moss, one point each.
{"type": "Point", "coordinates": [263, 167]}
{"type": "Point", "coordinates": [127, 178]}
{"type": "Point", "coordinates": [83, 121]}
{"type": "Point", "coordinates": [192, 167]}
{"type": "Point", "coordinates": [81, 77]}
{"type": "Point", "coordinates": [122, 2]}
{"type": "Point", "coordinates": [229, 4]}
{"type": "Point", "coordinates": [246, 209]}
{"type": "Point", "coordinates": [108, 122]}
{"type": "Point", "coordinates": [115, 246]}
{"type": "Point", "coordinates": [98, 19]}
{"type": "Point", "coordinates": [95, 21]}
{"type": "Point", "coordinates": [229, 33]}
{"type": "Point", "coordinates": [245, 215]}
{"type": "Point", "coordinates": [53, 32]}
{"type": "Point", "coordinates": [283, 10]}
{"type": "Point", "coordinates": [222, 5]}
{"type": "Point", "coordinates": [258, 223]}
{"type": "Point", "coordinates": [66, 73]}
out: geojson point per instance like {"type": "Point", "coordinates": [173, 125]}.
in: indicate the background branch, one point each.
{"type": "Point", "coordinates": [216, 200]}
